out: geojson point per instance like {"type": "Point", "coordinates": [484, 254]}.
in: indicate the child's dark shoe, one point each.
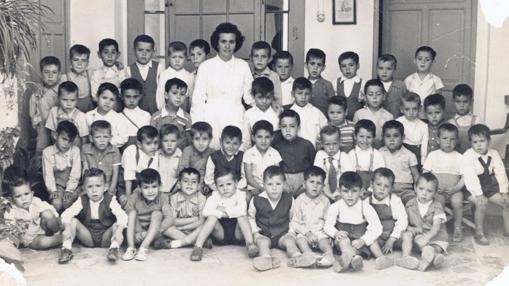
{"type": "Point", "coordinates": [427, 256]}
{"type": "Point", "coordinates": [357, 263]}
{"type": "Point", "coordinates": [65, 256]}
{"type": "Point", "coordinates": [112, 255]}
{"type": "Point", "coordinates": [161, 243]}
{"type": "Point", "coordinates": [208, 243]}
{"type": "Point", "coordinates": [302, 261]}
{"type": "Point", "coordinates": [457, 235]}
{"type": "Point", "coordinates": [197, 254]}
{"type": "Point", "coordinates": [252, 250]}
{"type": "Point", "coordinates": [481, 239]}
{"type": "Point", "coordinates": [383, 262]}
{"type": "Point", "coordinates": [408, 262]}
{"type": "Point", "coordinates": [265, 263]}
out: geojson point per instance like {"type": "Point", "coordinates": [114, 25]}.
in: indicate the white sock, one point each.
{"type": "Point", "coordinates": [114, 244]}
{"type": "Point", "coordinates": [176, 243]}
{"type": "Point", "coordinates": [67, 244]}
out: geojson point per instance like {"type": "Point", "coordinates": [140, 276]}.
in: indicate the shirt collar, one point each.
{"type": "Point", "coordinates": [457, 116]}
{"type": "Point", "coordinates": [264, 195]}
{"type": "Point", "coordinates": [175, 154]}
{"type": "Point", "coordinates": [358, 149]}
{"type": "Point", "coordinates": [265, 72]}
{"type": "Point", "coordinates": [385, 201]}
{"type": "Point", "coordinates": [180, 113]}
{"type": "Point", "coordinates": [355, 79]}
{"type": "Point", "coordinates": [61, 113]}
{"type": "Point", "coordinates": [181, 198]}
{"type": "Point", "coordinates": [91, 150]}
{"type": "Point", "coordinates": [114, 68]}
{"type": "Point", "coordinates": [148, 65]}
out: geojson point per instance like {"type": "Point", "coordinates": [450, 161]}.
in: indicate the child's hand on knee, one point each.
{"type": "Point", "coordinates": [358, 243]}
{"type": "Point", "coordinates": [421, 240]}
{"type": "Point", "coordinates": [389, 245]}
{"type": "Point", "coordinates": [140, 236]}
{"type": "Point", "coordinates": [341, 235]}
{"type": "Point", "coordinates": [312, 238]}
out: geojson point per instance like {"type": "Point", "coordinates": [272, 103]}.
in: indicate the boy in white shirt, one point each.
{"type": "Point", "coordinates": [262, 90]}
{"type": "Point", "coordinates": [462, 94]}
{"type": "Point", "coordinates": [111, 70]}
{"type": "Point", "coordinates": [131, 92]}
{"type": "Point", "coordinates": [416, 131]}
{"type": "Point", "coordinates": [282, 63]}
{"type": "Point", "coordinates": [261, 56]}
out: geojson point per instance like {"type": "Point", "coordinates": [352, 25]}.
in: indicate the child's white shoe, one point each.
{"type": "Point", "coordinates": [129, 254]}
{"type": "Point", "coordinates": [142, 254]}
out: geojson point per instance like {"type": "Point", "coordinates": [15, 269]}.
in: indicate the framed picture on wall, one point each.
{"type": "Point", "coordinates": [344, 12]}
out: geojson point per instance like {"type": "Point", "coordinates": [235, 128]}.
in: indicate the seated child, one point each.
{"type": "Point", "coordinates": [95, 219]}
{"type": "Point", "coordinates": [352, 223]}
{"type": "Point", "coordinates": [137, 158]}
{"type": "Point", "coordinates": [169, 157]}
{"type": "Point", "coordinates": [225, 215]}
{"type": "Point", "coordinates": [485, 179]}
{"type": "Point", "coordinates": [282, 63]}
{"type": "Point", "coordinates": [309, 212]}
{"type": "Point", "coordinates": [199, 49]}
{"type": "Point", "coordinates": [434, 106]}
{"type": "Point", "coordinates": [288, 146]}
{"type": "Point", "coordinates": [131, 92]}
{"type": "Point", "coordinates": [100, 154]}
{"type": "Point", "coordinates": [394, 88]}
{"type": "Point", "coordinates": [446, 165]}
{"type": "Point", "coordinates": [270, 214]}
{"type": "Point", "coordinates": [416, 131]}
{"type": "Point", "coordinates": [39, 219]}
{"type": "Point", "coordinates": [111, 70]}
{"type": "Point", "coordinates": [261, 56]}
{"type": "Point", "coordinates": [146, 71]}
{"type": "Point", "coordinates": [464, 118]}
{"type": "Point", "coordinates": [262, 90]}
{"type": "Point", "coordinates": [172, 113]}
{"type": "Point", "coordinates": [349, 84]}
{"type": "Point", "coordinates": [177, 55]}
{"type": "Point", "coordinates": [66, 110]}
{"type": "Point", "coordinates": [374, 96]}
{"type": "Point", "coordinates": [259, 157]}
{"type": "Point", "coordinates": [320, 89]}
{"type": "Point", "coordinates": [426, 227]}
{"type": "Point", "coordinates": [149, 215]}
{"type": "Point", "coordinates": [392, 214]}
{"type": "Point", "coordinates": [336, 114]}
{"type": "Point", "coordinates": [399, 160]}
{"type": "Point", "coordinates": [197, 154]}
{"type": "Point", "coordinates": [229, 156]}
{"type": "Point", "coordinates": [61, 167]}
{"type": "Point", "coordinates": [312, 119]}
{"type": "Point", "coordinates": [78, 73]}
{"type": "Point", "coordinates": [364, 159]}
{"type": "Point", "coordinates": [107, 95]}
{"type": "Point", "coordinates": [186, 206]}
{"type": "Point", "coordinates": [423, 82]}
{"type": "Point", "coordinates": [330, 159]}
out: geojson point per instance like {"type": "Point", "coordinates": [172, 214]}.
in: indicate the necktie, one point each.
{"type": "Point", "coordinates": [333, 176]}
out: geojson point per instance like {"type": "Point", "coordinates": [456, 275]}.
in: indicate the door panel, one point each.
{"type": "Point", "coordinates": [213, 6]}
{"type": "Point", "coordinates": [246, 25]}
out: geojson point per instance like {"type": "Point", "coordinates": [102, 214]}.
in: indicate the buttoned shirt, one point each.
{"type": "Point", "coordinates": [132, 166]}
{"type": "Point", "coordinates": [338, 160]}
{"type": "Point", "coordinates": [31, 216]}
{"type": "Point", "coordinates": [398, 213]}
{"type": "Point", "coordinates": [400, 162]}
{"type": "Point", "coordinates": [472, 168]}
{"type": "Point", "coordinates": [105, 160]}
{"type": "Point", "coordinates": [363, 160]}
{"type": "Point", "coordinates": [309, 214]}
{"type": "Point", "coordinates": [134, 119]}
{"type": "Point", "coordinates": [181, 119]}
{"type": "Point", "coordinates": [40, 104]}
{"type": "Point", "coordinates": [53, 159]}
{"type": "Point", "coordinates": [210, 170]}
{"type": "Point", "coordinates": [254, 114]}
{"type": "Point", "coordinates": [291, 163]}
{"type": "Point", "coordinates": [259, 162]}
{"type": "Point", "coordinates": [170, 73]}
{"type": "Point", "coordinates": [379, 117]}
{"type": "Point", "coordinates": [416, 133]}
{"type": "Point", "coordinates": [144, 209]}
{"type": "Point", "coordinates": [183, 206]}
{"type": "Point", "coordinates": [168, 169]}
{"type": "Point", "coordinates": [105, 74]}
{"type": "Point", "coordinates": [286, 91]}
{"type": "Point", "coordinates": [78, 118]}
{"type": "Point", "coordinates": [312, 121]}
{"type": "Point", "coordinates": [274, 77]}
{"type": "Point", "coordinates": [118, 131]}
{"type": "Point", "coordinates": [82, 80]}
{"type": "Point", "coordinates": [234, 206]}
{"type": "Point", "coordinates": [430, 84]}
{"type": "Point", "coordinates": [192, 158]}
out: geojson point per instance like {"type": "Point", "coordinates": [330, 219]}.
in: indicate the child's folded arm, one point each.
{"type": "Point", "coordinates": [72, 211]}
{"type": "Point", "coordinates": [374, 228]}
{"type": "Point", "coordinates": [119, 213]}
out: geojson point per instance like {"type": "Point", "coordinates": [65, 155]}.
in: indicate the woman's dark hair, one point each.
{"type": "Point", "coordinates": [227, 28]}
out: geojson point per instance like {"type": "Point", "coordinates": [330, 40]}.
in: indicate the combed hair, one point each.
{"type": "Point", "coordinates": [261, 45]}
{"type": "Point", "coordinates": [107, 42]}
{"type": "Point", "coordinates": [290, 113]}
{"type": "Point", "coordinates": [227, 28]}
{"type": "Point", "coordinates": [14, 182]}
{"type": "Point", "coordinates": [93, 172]}
{"type": "Point", "coordinates": [68, 128]}
{"type": "Point", "coordinates": [428, 177]}
{"type": "Point", "coordinates": [225, 171]}
{"type": "Point", "coordinates": [314, 171]}
{"type": "Point", "coordinates": [348, 55]}
{"type": "Point", "coordinates": [384, 172]}
{"type": "Point", "coordinates": [169, 129]}
{"type": "Point", "coordinates": [329, 130]}
{"type": "Point", "coordinates": [365, 124]}
{"type": "Point", "coordinates": [50, 60]}
{"type": "Point", "coordinates": [200, 43]}
{"type": "Point", "coordinates": [282, 55]}
{"type": "Point", "coordinates": [434, 99]}
{"type": "Point", "coordinates": [273, 171]}
{"type": "Point", "coordinates": [149, 176]}
{"type": "Point", "coordinates": [100, 125]}
{"type": "Point", "coordinates": [67, 86]}
{"type": "Point", "coordinates": [315, 54]}
{"type": "Point", "coordinates": [302, 83]}
{"type": "Point", "coordinates": [144, 39]}
{"type": "Point", "coordinates": [479, 130]}
{"type": "Point", "coordinates": [426, 49]}
{"type": "Point", "coordinates": [339, 100]}
{"type": "Point", "coordinates": [147, 132]}
{"type": "Point", "coordinates": [110, 87]}
{"type": "Point", "coordinates": [462, 90]}
{"type": "Point", "coordinates": [189, 171]}
{"type": "Point", "coordinates": [174, 82]}
{"type": "Point", "coordinates": [447, 127]}
{"type": "Point", "coordinates": [201, 127]}
{"type": "Point", "coordinates": [79, 49]}
{"type": "Point", "coordinates": [262, 85]}
{"type": "Point", "coordinates": [231, 131]}
{"type": "Point", "coordinates": [411, 97]}
{"type": "Point", "coordinates": [177, 46]}
{"type": "Point", "coordinates": [388, 58]}
{"type": "Point", "coordinates": [393, 124]}
{"type": "Point", "coordinates": [350, 180]}
{"type": "Point", "coordinates": [374, 82]}
{"type": "Point", "coordinates": [130, 83]}
{"type": "Point", "coordinates": [262, 125]}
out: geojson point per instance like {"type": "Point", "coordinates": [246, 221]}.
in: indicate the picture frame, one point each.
{"type": "Point", "coordinates": [344, 12]}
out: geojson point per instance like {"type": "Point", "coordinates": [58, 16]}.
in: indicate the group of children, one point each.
{"type": "Point", "coordinates": [362, 170]}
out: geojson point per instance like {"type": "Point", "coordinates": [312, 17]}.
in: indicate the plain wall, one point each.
{"type": "Point", "coordinates": [335, 39]}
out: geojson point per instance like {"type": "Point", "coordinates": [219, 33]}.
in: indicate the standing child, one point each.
{"type": "Point", "coordinates": [100, 154]}
{"type": "Point", "coordinates": [426, 230]}
{"type": "Point", "coordinates": [434, 106]}
{"type": "Point", "coordinates": [349, 84]}
{"type": "Point", "coordinates": [137, 158]}
{"type": "Point", "coordinates": [131, 92]}
{"type": "Point", "coordinates": [107, 95]}
{"type": "Point", "coordinates": [270, 214]}
{"type": "Point", "coordinates": [400, 160]}
{"type": "Point", "coordinates": [177, 54]}
{"type": "Point", "coordinates": [149, 215]}
{"type": "Point", "coordinates": [282, 63]}
{"type": "Point", "coordinates": [261, 56]}
{"type": "Point", "coordinates": [321, 89]}
{"type": "Point", "coordinates": [364, 159]}
{"type": "Point", "coordinates": [199, 49]}
{"type": "Point", "coordinates": [259, 157]}
{"type": "Point", "coordinates": [40, 219]}
{"type": "Point", "coordinates": [146, 71]}
{"type": "Point", "coordinates": [374, 95]}
{"type": "Point", "coordinates": [262, 90]}
{"type": "Point", "coordinates": [336, 114]}
{"type": "Point", "coordinates": [61, 167]}
{"type": "Point", "coordinates": [312, 119]}
{"type": "Point", "coordinates": [169, 157]}
{"type": "Point", "coordinates": [308, 218]}
{"type": "Point", "coordinates": [288, 146]}
{"type": "Point", "coordinates": [392, 214]}
{"type": "Point", "coordinates": [423, 82]}
{"type": "Point", "coordinates": [394, 88]}
{"type": "Point", "coordinates": [95, 219]}
{"type": "Point", "coordinates": [80, 56]}
{"type": "Point", "coordinates": [197, 154]}
{"type": "Point", "coordinates": [229, 156]}
{"type": "Point", "coordinates": [464, 118]}
{"type": "Point", "coordinates": [485, 179]}
{"type": "Point", "coordinates": [111, 70]}
{"type": "Point", "coordinates": [446, 165]}
{"type": "Point", "coordinates": [331, 160]}
{"type": "Point", "coordinates": [66, 110]}
{"type": "Point", "coordinates": [416, 131]}
{"type": "Point", "coordinates": [225, 217]}
{"type": "Point", "coordinates": [352, 223]}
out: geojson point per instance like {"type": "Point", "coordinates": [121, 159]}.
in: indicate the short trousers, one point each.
{"type": "Point", "coordinates": [275, 241]}
{"type": "Point", "coordinates": [31, 233]}
{"type": "Point", "coordinates": [97, 230]}
{"type": "Point", "coordinates": [320, 234]}
{"type": "Point", "coordinates": [229, 225]}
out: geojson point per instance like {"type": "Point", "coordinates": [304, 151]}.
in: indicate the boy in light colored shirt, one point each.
{"type": "Point", "coordinates": [111, 70]}
{"type": "Point", "coordinates": [321, 89]}
{"type": "Point", "coordinates": [434, 108]}
{"type": "Point", "coordinates": [199, 50]}
{"type": "Point", "coordinates": [79, 74]}
{"type": "Point", "coordinates": [261, 56]}
{"type": "Point", "coordinates": [169, 157]}
{"type": "Point", "coordinates": [282, 63]}
{"type": "Point", "coordinates": [131, 92]}
{"type": "Point", "coordinates": [463, 97]}
{"type": "Point", "coordinates": [416, 131]}
{"type": "Point", "coordinates": [349, 84]}
{"type": "Point", "coordinates": [336, 114]}
{"type": "Point", "coordinates": [263, 94]}
{"type": "Point", "coordinates": [394, 88]}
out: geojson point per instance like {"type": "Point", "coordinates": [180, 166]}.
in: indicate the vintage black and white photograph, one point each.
{"type": "Point", "coordinates": [254, 142]}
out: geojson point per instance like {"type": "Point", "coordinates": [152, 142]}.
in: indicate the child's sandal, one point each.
{"type": "Point", "coordinates": [197, 254]}
{"type": "Point", "coordinates": [65, 256]}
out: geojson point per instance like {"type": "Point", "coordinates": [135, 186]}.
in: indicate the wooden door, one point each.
{"type": "Point", "coordinates": [448, 26]}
